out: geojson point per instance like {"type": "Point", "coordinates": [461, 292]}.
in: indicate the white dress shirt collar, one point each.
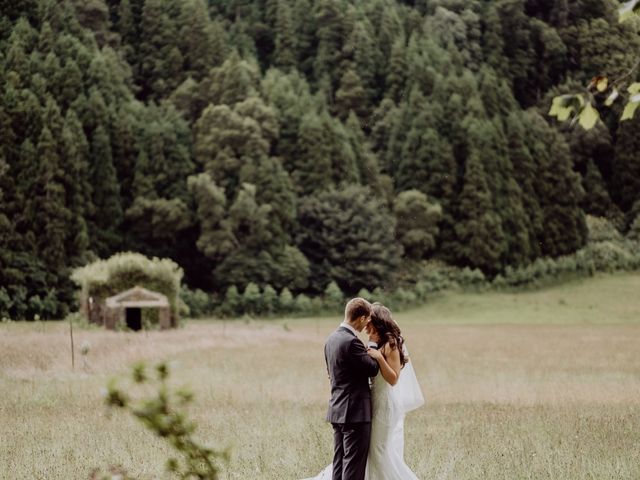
{"type": "Point", "coordinates": [349, 327]}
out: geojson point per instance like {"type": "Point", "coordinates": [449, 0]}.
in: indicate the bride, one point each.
{"type": "Point", "coordinates": [395, 391]}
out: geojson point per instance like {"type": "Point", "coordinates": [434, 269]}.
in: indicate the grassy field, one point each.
{"type": "Point", "coordinates": [539, 385]}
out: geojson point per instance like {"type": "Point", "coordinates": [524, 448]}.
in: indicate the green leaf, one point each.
{"type": "Point", "coordinates": [613, 96]}
{"type": "Point", "coordinates": [556, 106]}
{"type": "Point", "coordinates": [564, 105]}
{"type": "Point", "coordinates": [588, 117]}
{"type": "Point", "coordinates": [629, 110]}
{"type": "Point", "coordinates": [634, 88]}
{"type": "Point", "coordinates": [628, 9]}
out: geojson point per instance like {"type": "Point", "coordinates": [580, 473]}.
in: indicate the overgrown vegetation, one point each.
{"type": "Point", "coordinates": [163, 410]}
{"type": "Point", "coordinates": [104, 278]}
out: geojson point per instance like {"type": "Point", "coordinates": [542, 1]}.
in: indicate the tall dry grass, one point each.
{"type": "Point", "coordinates": [510, 401]}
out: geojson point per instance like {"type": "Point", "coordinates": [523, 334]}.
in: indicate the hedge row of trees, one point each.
{"type": "Point", "coordinates": [606, 251]}
{"type": "Point", "coordinates": [295, 143]}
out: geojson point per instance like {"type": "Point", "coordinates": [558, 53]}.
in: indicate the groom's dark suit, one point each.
{"type": "Point", "coordinates": [349, 366]}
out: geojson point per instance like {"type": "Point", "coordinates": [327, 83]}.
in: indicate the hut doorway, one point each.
{"type": "Point", "coordinates": [134, 318]}
{"type": "Point", "coordinates": [126, 307]}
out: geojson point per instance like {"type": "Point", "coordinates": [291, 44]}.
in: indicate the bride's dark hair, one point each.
{"type": "Point", "coordinates": [387, 329]}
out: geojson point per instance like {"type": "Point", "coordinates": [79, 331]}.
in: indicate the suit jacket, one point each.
{"type": "Point", "coordinates": [349, 366]}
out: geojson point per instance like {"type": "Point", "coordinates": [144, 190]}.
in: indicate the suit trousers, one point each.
{"type": "Point", "coordinates": [351, 447]}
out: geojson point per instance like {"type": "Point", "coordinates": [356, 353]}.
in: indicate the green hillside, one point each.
{"type": "Point", "coordinates": [293, 143]}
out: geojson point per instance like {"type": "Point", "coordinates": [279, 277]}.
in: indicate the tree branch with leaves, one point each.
{"type": "Point", "coordinates": [581, 107]}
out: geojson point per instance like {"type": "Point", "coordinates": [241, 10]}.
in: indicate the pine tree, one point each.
{"type": "Point", "coordinates": [166, 140]}
{"type": "Point", "coordinates": [274, 188]}
{"type": "Point", "coordinates": [480, 239]}
{"type": "Point", "coordinates": [493, 39]}
{"type": "Point", "coordinates": [524, 171]}
{"type": "Point", "coordinates": [305, 27]}
{"type": "Point", "coordinates": [218, 43]}
{"type": "Point", "coordinates": [496, 94]}
{"type": "Point", "coordinates": [124, 152]}
{"type": "Point", "coordinates": [77, 185]}
{"type": "Point", "coordinates": [351, 97]}
{"type": "Point", "coordinates": [367, 163]}
{"type": "Point", "coordinates": [107, 218]}
{"type": "Point", "coordinates": [389, 29]}
{"type": "Point", "coordinates": [196, 34]}
{"type": "Point", "coordinates": [259, 256]}
{"type": "Point", "coordinates": [234, 81]}
{"type": "Point", "coordinates": [128, 32]}
{"type": "Point", "coordinates": [396, 78]}
{"type": "Point", "coordinates": [312, 168]}
{"type": "Point", "coordinates": [160, 68]}
{"type": "Point", "coordinates": [48, 206]}
{"type": "Point", "coordinates": [285, 54]}
{"type": "Point", "coordinates": [417, 223]}
{"type": "Point", "coordinates": [489, 140]}
{"type": "Point", "coordinates": [361, 54]}
{"type": "Point", "coordinates": [427, 163]}
{"type": "Point", "coordinates": [216, 238]}
{"type": "Point", "coordinates": [70, 83]}
{"type": "Point", "coordinates": [348, 237]}
{"type": "Point", "coordinates": [592, 153]}
{"type": "Point", "coordinates": [558, 189]}
{"type": "Point", "coordinates": [385, 121]}
{"type": "Point", "coordinates": [626, 165]}
{"type": "Point", "coordinates": [331, 34]}
{"type": "Point", "coordinates": [288, 94]}
{"type": "Point", "coordinates": [223, 137]}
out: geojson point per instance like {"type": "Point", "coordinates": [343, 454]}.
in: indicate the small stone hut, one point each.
{"type": "Point", "coordinates": [125, 308]}
{"type": "Point", "coordinates": [130, 290]}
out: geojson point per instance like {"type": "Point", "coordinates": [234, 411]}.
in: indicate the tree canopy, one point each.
{"type": "Point", "coordinates": [305, 143]}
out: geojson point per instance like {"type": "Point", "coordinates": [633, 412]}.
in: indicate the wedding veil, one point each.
{"type": "Point", "coordinates": [408, 389]}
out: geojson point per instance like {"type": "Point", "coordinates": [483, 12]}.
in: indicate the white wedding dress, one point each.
{"type": "Point", "coordinates": [389, 406]}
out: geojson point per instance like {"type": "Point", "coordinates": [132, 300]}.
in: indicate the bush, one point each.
{"type": "Point", "coordinates": [634, 231]}
{"type": "Point", "coordinates": [5, 303]}
{"type": "Point", "coordinates": [198, 302]}
{"type": "Point", "coordinates": [270, 300]}
{"type": "Point", "coordinates": [45, 307]}
{"type": "Point", "coordinates": [232, 304]}
{"type": "Point", "coordinates": [402, 298]}
{"type": "Point", "coordinates": [303, 304]}
{"type": "Point", "coordinates": [366, 294]}
{"type": "Point", "coordinates": [600, 229]}
{"type": "Point", "coordinates": [470, 277]}
{"type": "Point", "coordinates": [333, 297]}
{"type": "Point", "coordinates": [606, 256]}
{"type": "Point", "coordinates": [317, 305]}
{"type": "Point", "coordinates": [252, 299]}
{"type": "Point", "coordinates": [286, 301]}
{"type": "Point", "coordinates": [379, 295]}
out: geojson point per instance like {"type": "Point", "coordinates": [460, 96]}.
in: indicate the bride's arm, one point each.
{"type": "Point", "coordinates": [389, 365]}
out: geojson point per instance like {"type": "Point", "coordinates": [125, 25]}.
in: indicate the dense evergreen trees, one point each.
{"type": "Point", "coordinates": [300, 144]}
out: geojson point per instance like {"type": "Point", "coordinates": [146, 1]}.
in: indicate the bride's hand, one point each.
{"type": "Point", "coordinates": [375, 354]}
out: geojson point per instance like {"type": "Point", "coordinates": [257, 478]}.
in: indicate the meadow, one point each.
{"type": "Point", "coordinates": [532, 385]}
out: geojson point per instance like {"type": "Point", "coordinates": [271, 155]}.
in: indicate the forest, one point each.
{"type": "Point", "coordinates": [292, 144]}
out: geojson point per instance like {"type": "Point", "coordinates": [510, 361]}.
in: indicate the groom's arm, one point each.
{"type": "Point", "coordinates": [362, 360]}
{"type": "Point", "coordinates": [326, 363]}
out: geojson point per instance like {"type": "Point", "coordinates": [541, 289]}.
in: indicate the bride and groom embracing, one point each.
{"type": "Point", "coordinates": [371, 391]}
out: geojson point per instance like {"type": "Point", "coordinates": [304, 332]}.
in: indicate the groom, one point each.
{"type": "Point", "coordinates": [350, 366]}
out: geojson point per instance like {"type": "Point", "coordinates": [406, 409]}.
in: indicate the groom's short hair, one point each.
{"type": "Point", "coordinates": [356, 308]}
